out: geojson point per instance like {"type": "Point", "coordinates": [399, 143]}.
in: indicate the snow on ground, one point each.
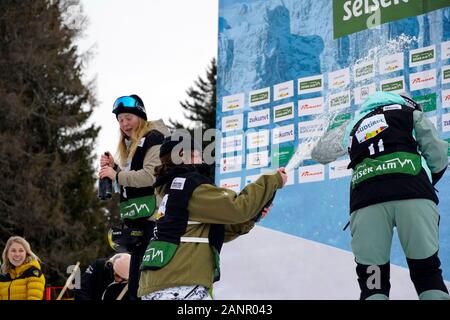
{"type": "Point", "coordinates": [267, 264]}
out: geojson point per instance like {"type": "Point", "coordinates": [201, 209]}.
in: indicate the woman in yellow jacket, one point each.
{"type": "Point", "coordinates": [21, 277]}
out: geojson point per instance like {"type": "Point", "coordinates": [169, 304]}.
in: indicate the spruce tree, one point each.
{"type": "Point", "coordinates": [48, 179]}
{"type": "Point", "coordinates": [200, 107]}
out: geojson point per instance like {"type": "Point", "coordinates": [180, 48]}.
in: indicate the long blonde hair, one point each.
{"type": "Point", "coordinates": [125, 153]}
{"type": "Point", "coordinates": [30, 255]}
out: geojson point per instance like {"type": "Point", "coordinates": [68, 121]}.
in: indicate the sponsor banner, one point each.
{"type": "Point", "coordinates": [310, 84]}
{"type": "Point", "coordinates": [448, 140]}
{"type": "Point", "coordinates": [391, 63]}
{"type": "Point", "coordinates": [338, 169]}
{"type": "Point", "coordinates": [283, 90]}
{"type": "Point", "coordinates": [257, 139]}
{"type": "Point", "coordinates": [339, 79]}
{"type": "Point", "coordinates": [258, 118]}
{"type": "Point", "coordinates": [446, 122]}
{"type": "Point", "coordinates": [251, 179]}
{"type": "Point", "coordinates": [230, 164]}
{"type": "Point", "coordinates": [308, 107]}
{"type": "Point", "coordinates": [231, 143]}
{"type": "Point", "coordinates": [339, 100]}
{"type": "Point", "coordinates": [309, 53]}
{"type": "Point", "coordinates": [311, 129]}
{"type": "Point", "coordinates": [422, 80]}
{"type": "Point", "coordinates": [433, 121]}
{"type": "Point", "coordinates": [362, 93]}
{"type": "Point", "coordinates": [364, 70]}
{"type": "Point", "coordinates": [350, 16]}
{"type": "Point", "coordinates": [232, 123]}
{"type": "Point", "coordinates": [232, 183]}
{"type": "Point", "coordinates": [290, 178]}
{"type": "Point", "coordinates": [312, 173]}
{"type": "Point", "coordinates": [281, 156]}
{"type": "Point", "coordinates": [446, 74]}
{"type": "Point", "coordinates": [422, 56]}
{"type": "Point", "coordinates": [283, 134]}
{"type": "Point", "coordinates": [446, 98]}
{"type": "Point", "coordinates": [396, 85]}
{"type": "Point", "coordinates": [445, 50]}
{"type": "Point", "coordinates": [371, 127]}
{"type": "Point", "coordinates": [428, 102]}
{"type": "Point", "coordinates": [283, 112]}
{"type": "Point", "coordinates": [339, 120]}
{"type": "Point", "coordinates": [234, 102]}
{"type": "Point", "coordinates": [258, 159]}
{"type": "Point", "coordinates": [259, 97]}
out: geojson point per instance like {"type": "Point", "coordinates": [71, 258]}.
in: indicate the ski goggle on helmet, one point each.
{"type": "Point", "coordinates": [129, 104]}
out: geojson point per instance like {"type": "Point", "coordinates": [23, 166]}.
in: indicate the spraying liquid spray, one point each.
{"type": "Point", "coordinates": [326, 119]}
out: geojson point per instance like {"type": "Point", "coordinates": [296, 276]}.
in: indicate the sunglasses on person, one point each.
{"type": "Point", "coordinates": [127, 102]}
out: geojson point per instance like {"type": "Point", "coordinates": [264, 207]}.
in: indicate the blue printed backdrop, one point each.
{"type": "Point", "coordinates": [263, 43]}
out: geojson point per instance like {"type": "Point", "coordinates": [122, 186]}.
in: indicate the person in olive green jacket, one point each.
{"type": "Point", "coordinates": [194, 219]}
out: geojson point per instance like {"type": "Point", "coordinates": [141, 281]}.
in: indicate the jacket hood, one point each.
{"type": "Point", "coordinates": [381, 98]}
{"type": "Point", "coordinates": [160, 126]}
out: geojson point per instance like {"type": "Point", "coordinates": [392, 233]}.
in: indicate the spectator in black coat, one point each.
{"type": "Point", "coordinates": [105, 279]}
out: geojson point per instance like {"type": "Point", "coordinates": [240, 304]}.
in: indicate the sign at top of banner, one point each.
{"type": "Point", "coordinates": [350, 16]}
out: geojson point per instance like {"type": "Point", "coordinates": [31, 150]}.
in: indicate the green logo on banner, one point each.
{"type": "Point", "coordinates": [364, 71]}
{"type": "Point", "coordinates": [339, 120]}
{"type": "Point", "coordinates": [448, 140]}
{"type": "Point", "coordinates": [283, 112]}
{"type": "Point", "coordinates": [392, 86]}
{"type": "Point", "coordinates": [350, 16]}
{"type": "Point", "coordinates": [446, 74]}
{"type": "Point", "coordinates": [340, 100]}
{"type": "Point", "coordinates": [428, 102]}
{"type": "Point", "coordinates": [421, 56]}
{"type": "Point", "coordinates": [282, 156]}
{"type": "Point", "coordinates": [311, 84]}
{"type": "Point", "coordinates": [259, 97]}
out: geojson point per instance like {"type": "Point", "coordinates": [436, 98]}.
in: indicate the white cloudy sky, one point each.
{"type": "Point", "coordinates": [153, 48]}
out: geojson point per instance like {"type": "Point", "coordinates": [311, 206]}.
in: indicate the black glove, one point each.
{"type": "Point", "coordinates": [437, 176]}
{"type": "Point", "coordinates": [268, 204]}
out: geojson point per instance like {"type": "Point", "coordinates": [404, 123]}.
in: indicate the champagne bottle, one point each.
{"type": "Point", "coordinates": [105, 187]}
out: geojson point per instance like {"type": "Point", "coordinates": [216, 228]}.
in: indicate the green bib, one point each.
{"type": "Point", "coordinates": [158, 254]}
{"type": "Point", "coordinates": [396, 162]}
{"type": "Point", "coordinates": [136, 208]}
